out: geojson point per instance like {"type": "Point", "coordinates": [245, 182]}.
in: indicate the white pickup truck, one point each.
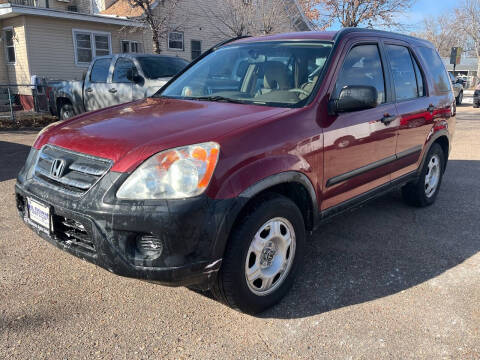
{"type": "Point", "coordinates": [112, 80]}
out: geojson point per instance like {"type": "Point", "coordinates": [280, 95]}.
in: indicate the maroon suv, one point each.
{"type": "Point", "coordinates": [215, 181]}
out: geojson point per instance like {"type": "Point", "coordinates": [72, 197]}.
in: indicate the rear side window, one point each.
{"type": "Point", "coordinates": [441, 82]}
{"type": "Point", "coordinates": [404, 77]}
{"type": "Point", "coordinates": [100, 71]}
{"type": "Point", "coordinates": [363, 66]}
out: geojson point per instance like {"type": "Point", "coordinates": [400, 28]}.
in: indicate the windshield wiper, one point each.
{"type": "Point", "coordinates": [217, 98]}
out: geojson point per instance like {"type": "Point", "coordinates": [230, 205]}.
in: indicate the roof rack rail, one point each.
{"type": "Point", "coordinates": [224, 42]}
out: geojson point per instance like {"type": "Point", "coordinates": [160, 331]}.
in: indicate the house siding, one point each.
{"type": "Point", "coordinates": [18, 73]}
{"type": "Point", "coordinates": [51, 47]}
{"type": "Point", "coordinates": [194, 21]}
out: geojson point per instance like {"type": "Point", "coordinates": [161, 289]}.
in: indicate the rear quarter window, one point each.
{"type": "Point", "coordinates": [436, 69]}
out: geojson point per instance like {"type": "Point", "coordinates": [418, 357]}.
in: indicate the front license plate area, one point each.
{"type": "Point", "coordinates": [39, 215]}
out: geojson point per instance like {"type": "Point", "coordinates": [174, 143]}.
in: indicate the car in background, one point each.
{"type": "Point", "coordinates": [476, 97]}
{"type": "Point", "coordinates": [457, 89]}
{"type": "Point", "coordinates": [112, 80]}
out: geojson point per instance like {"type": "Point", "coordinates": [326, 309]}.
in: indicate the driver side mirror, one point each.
{"type": "Point", "coordinates": [354, 98]}
{"type": "Point", "coordinates": [134, 77]}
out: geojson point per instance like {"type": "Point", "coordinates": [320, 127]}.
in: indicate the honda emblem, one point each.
{"type": "Point", "coordinates": [58, 167]}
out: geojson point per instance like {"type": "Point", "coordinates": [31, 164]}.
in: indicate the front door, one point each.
{"type": "Point", "coordinates": [360, 146]}
{"type": "Point", "coordinates": [122, 81]}
{"type": "Point", "coordinates": [97, 88]}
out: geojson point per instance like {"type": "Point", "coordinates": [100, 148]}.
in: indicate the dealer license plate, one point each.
{"type": "Point", "coordinates": [39, 214]}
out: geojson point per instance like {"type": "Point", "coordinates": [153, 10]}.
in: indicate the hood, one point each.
{"type": "Point", "coordinates": [130, 133]}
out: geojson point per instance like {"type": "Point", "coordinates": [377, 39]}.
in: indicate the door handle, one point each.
{"type": "Point", "coordinates": [89, 90]}
{"type": "Point", "coordinates": [113, 91]}
{"type": "Point", "coordinates": [431, 109]}
{"type": "Point", "coordinates": [387, 119]}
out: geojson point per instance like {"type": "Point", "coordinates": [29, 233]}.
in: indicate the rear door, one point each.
{"type": "Point", "coordinates": [122, 83]}
{"type": "Point", "coordinates": [416, 108]}
{"type": "Point", "coordinates": [360, 146]}
{"type": "Point", "coordinates": [97, 85]}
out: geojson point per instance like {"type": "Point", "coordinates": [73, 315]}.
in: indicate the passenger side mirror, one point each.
{"type": "Point", "coordinates": [354, 98]}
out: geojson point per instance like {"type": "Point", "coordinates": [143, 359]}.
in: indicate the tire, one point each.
{"type": "Point", "coordinates": [424, 192]}
{"type": "Point", "coordinates": [66, 111]}
{"type": "Point", "coordinates": [232, 287]}
{"type": "Point", "coordinates": [459, 98]}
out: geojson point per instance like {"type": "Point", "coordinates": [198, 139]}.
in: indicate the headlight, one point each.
{"type": "Point", "coordinates": [173, 174]}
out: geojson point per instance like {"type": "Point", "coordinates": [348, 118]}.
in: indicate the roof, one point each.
{"type": "Point", "coordinates": [304, 35]}
{"type": "Point", "coordinates": [123, 8]}
{"type": "Point", "coordinates": [336, 36]}
{"type": "Point", "coordinates": [12, 10]}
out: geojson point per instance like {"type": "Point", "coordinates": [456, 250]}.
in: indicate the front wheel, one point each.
{"type": "Point", "coordinates": [66, 111]}
{"type": "Point", "coordinates": [263, 256]}
{"type": "Point", "coordinates": [424, 192]}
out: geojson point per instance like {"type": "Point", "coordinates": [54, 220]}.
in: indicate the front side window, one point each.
{"type": "Point", "coordinates": [175, 40]}
{"type": "Point", "coordinates": [362, 67]}
{"type": "Point", "coordinates": [280, 74]}
{"type": "Point", "coordinates": [100, 70]}
{"type": "Point", "coordinates": [89, 45]}
{"type": "Point", "coordinates": [9, 45]}
{"type": "Point", "coordinates": [124, 70]}
{"type": "Point", "coordinates": [403, 71]}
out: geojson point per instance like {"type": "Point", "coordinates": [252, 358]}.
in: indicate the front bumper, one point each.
{"type": "Point", "coordinates": [190, 230]}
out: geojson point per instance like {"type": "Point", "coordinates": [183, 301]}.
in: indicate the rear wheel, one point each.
{"type": "Point", "coordinates": [424, 192]}
{"type": "Point", "coordinates": [263, 256]}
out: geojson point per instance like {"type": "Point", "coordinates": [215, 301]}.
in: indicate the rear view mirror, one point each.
{"type": "Point", "coordinates": [354, 98]}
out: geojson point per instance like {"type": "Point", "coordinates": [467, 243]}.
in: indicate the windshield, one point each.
{"type": "Point", "coordinates": [282, 74]}
{"type": "Point", "coordinates": [155, 67]}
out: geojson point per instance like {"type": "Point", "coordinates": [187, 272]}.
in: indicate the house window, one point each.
{"type": "Point", "coordinates": [129, 46]}
{"type": "Point", "coordinates": [9, 45]}
{"type": "Point", "coordinates": [89, 45]}
{"type": "Point", "coordinates": [196, 46]}
{"type": "Point", "coordinates": [175, 40]}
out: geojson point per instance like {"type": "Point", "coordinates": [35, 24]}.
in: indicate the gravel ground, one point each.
{"type": "Point", "coordinates": [385, 281]}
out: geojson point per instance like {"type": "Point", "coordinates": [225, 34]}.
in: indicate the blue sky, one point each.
{"type": "Point", "coordinates": [423, 8]}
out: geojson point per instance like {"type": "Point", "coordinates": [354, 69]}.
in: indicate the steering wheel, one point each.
{"type": "Point", "coordinates": [300, 91]}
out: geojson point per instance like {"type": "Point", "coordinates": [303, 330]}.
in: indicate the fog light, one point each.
{"type": "Point", "coordinates": [149, 246]}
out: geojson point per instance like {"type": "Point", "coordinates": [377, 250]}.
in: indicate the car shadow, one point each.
{"type": "Point", "coordinates": [386, 247]}
{"type": "Point", "coordinates": [13, 156]}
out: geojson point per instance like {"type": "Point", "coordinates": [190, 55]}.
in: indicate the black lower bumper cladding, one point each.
{"type": "Point", "coordinates": [187, 235]}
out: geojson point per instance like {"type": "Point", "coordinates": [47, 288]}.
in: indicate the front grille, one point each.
{"type": "Point", "coordinates": [72, 233]}
{"type": "Point", "coordinates": [79, 174]}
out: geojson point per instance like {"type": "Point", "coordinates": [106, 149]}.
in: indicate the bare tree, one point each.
{"type": "Point", "coordinates": [355, 13]}
{"type": "Point", "coordinates": [271, 15]}
{"type": "Point", "coordinates": [231, 18]}
{"type": "Point", "coordinates": [443, 32]}
{"type": "Point", "coordinates": [158, 16]}
{"type": "Point", "coordinates": [468, 20]}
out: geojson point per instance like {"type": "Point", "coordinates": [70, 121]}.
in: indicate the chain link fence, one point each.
{"type": "Point", "coordinates": [23, 101]}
